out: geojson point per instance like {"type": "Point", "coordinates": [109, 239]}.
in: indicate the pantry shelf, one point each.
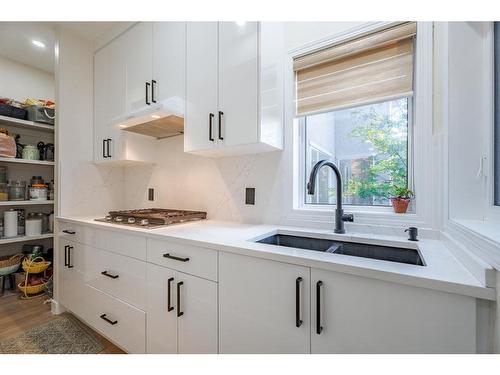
{"type": "Point", "coordinates": [4, 241]}
{"type": "Point", "coordinates": [24, 124]}
{"type": "Point", "coordinates": [25, 161]}
{"type": "Point", "coordinates": [26, 203]}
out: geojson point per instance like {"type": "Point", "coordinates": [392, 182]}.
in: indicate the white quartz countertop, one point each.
{"type": "Point", "coordinates": [442, 271]}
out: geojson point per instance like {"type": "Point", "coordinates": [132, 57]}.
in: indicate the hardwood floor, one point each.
{"type": "Point", "coordinates": [18, 316]}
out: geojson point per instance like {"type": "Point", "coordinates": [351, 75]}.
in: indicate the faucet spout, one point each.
{"type": "Point", "coordinates": [339, 212]}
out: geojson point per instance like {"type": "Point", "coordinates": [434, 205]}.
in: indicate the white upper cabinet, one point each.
{"type": "Point", "coordinates": [133, 74]}
{"type": "Point", "coordinates": [234, 94]}
{"type": "Point", "coordinates": [169, 62]}
{"type": "Point", "coordinates": [201, 86]}
{"type": "Point", "coordinates": [139, 44]}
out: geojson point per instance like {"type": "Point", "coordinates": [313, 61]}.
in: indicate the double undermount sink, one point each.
{"type": "Point", "coordinates": [387, 253]}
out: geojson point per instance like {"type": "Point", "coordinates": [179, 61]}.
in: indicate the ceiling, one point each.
{"type": "Point", "coordinates": [16, 41]}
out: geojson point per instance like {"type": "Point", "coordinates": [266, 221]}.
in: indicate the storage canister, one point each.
{"type": "Point", "coordinates": [4, 191]}
{"type": "Point", "coordinates": [34, 224]}
{"type": "Point", "coordinates": [17, 190]}
{"type": "Point", "coordinates": [10, 223]}
{"type": "Point", "coordinates": [38, 192]}
{"type": "Point", "coordinates": [31, 152]}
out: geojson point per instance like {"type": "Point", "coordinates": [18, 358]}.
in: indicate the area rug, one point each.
{"type": "Point", "coordinates": [63, 335]}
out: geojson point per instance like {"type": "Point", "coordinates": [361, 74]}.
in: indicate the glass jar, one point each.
{"type": "Point", "coordinates": [17, 190]}
{"type": "Point", "coordinates": [31, 152]}
{"type": "Point", "coordinates": [4, 191]}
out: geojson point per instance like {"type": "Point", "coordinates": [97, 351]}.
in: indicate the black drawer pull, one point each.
{"type": "Point", "coordinates": [108, 153]}
{"type": "Point", "coordinates": [147, 93]}
{"type": "Point", "coordinates": [104, 148]}
{"type": "Point", "coordinates": [210, 121]}
{"type": "Point", "coordinates": [220, 125]}
{"type": "Point", "coordinates": [319, 328]}
{"type": "Point", "coordinates": [69, 231]}
{"type": "Point", "coordinates": [179, 312]}
{"type": "Point", "coordinates": [112, 322]}
{"type": "Point", "coordinates": [66, 255]}
{"type": "Point", "coordinates": [105, 273]}
{"type": "Point", "coordinates": [167, 255]}
{"type": "Point", "coordinates": [169, 307]}
{"type": "Point", "coordinates": [153, 89]}
{"type": "Point", "coordinates": [298, 321]}
{"type": "Point", "coordinates": [70, 263]}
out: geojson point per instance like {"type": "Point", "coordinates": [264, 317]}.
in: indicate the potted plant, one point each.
{"type": "Point", "coordinates": [401, 198]}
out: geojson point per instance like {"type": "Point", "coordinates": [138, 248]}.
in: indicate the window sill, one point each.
{"type": "Point", "coordinates": [486, 229]}
{"type": "Point", "coordinates": [320, 215]}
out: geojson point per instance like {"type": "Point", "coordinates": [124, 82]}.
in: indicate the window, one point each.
{"type": "Point", "coordinates": [369, 144]}
{"type": "Point", "coordinates": [497, 115]}
{"type": "Point", "coordinates": [354, 104]}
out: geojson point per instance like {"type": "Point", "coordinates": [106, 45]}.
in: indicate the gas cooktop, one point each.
{"type": "Point", "coordinates": [152, 217]}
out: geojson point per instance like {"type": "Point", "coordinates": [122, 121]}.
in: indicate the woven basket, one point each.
{"type": "Point", "coordinates": [9, 264]}
{"type": "Point", "coordinates": [31, 266]}
{"type": "Point", "coordinates": [10, 260]}
{"type": "Point", "coordinates": [31, 289]}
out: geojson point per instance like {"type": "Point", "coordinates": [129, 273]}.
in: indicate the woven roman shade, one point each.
{"type": "Point", "coordinates": [365, 70]}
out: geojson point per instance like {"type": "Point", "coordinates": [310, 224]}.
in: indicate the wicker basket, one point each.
{"type": "Point", "coordinates": [9, 264]}
{"type": "Point", "coordinates": [31, 289]}
{"type": "Point", "coordinates": [32, 266]}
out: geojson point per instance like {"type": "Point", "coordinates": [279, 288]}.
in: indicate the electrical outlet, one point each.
{"type": "Point", "coordinates": [250, 196]}
{"type": "Point", "coordinates": [151, 194]}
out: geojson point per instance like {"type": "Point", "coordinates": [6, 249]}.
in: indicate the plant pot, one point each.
{"type": "Point", "coordinates": [400, 205]}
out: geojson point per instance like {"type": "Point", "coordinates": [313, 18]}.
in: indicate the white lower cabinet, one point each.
{"type": "Point", "coordinates": [122, 323]}
{"type": "Point", "coordinates": [181, 313]}
{"type": "Point", "coordinates": [71, 268]}
{"type": "Point", "coordinates": [360, 315]}
{"type": "Point", "coordinates": [258, 302]}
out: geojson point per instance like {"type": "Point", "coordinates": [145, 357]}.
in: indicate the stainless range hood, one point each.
{"type": "Point", "coordinates": [159, 120]}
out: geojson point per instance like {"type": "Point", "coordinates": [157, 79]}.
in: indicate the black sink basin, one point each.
{"type": "Point", "coordinates": [391, 254]}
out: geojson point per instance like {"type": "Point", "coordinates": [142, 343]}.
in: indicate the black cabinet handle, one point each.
{"type": "Point", "coordinates": [112, 322]}
{"type": "Point", "coordinates": [105, 273]}
{"type": "Point", "coordinates": [179, 312]}
{"type": "Point", "coordinates": [319, 328]}
{"type": "Point", "coordinates": [104, 142]}
{"type": "Point", "coordinates": [108, 153]}
{"type": "Point", "coordinates": [70, 264]}
{"type": "Point", "coordinates": [69, 231]}
{"type": "Point", "coordinates": [220, 125]}
{"type": "Point", "coordinates": [167, 255]}
{"type": "Point", "coordinates": [147, 93]}
{"type": "Point", "coordinates": [169, 282]}
{"type": "Point", "coordinates": [153, 87]}
{"type": "Point", "coordinates": [66, 255]}
{"type": "Point", "coordinates": [210, 120]}
{"type": "Point", "coordinates": [298, 321]}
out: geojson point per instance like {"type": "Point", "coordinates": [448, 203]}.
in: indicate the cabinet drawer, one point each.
{"type": "Point", "coordinates": [123, 324]}
{"type": "Point", "coordinates": [133, 246]}
{"type": "Point", "coordinates": [118, 275]}
{"type": "Point", "coordinates": [193, 260]}
{"type": "Point", "coordinates": [76, 233]}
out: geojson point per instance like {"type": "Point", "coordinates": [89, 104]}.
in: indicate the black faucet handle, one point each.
{"type": "Point", "coordinates": [348, 217]}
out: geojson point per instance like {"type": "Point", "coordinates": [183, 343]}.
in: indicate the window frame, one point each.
{"type": "Point", "coordinates": [425, 167]}
{"type": "Point", "coordinates": [302, 205]}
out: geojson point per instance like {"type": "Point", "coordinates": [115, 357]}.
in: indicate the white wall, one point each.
{"type": "Point", "coordinates": [83, 188]}
{"type": "Point", "coordinates": [18, 81]}
{"type": "Point", "coordinates": [218, 185]}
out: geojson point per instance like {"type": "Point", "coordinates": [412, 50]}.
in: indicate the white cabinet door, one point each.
{"type": "Point", "coordinates": [197, 306]}
{"type": "Point", "coordinates": [359, 315]}
{"type": "Point", "coordinates": [161, 317]}
{"type": "Point", "coordinates": [71, 266]}
{"type": "Point", "coordinates": [201, 86]}
{"type": "Point", "coordinates": [169, 61]}
{"type": "Point", "coordinates": [181, 313]}
{"type": "Point", "coordinates": [139, 47]}
{"type": "Point", "coordinates": [258, 302]}
{"type": "Point", "coordinates": [238, 82]}
{"type": "Point", "coordinates": [101, 114]}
